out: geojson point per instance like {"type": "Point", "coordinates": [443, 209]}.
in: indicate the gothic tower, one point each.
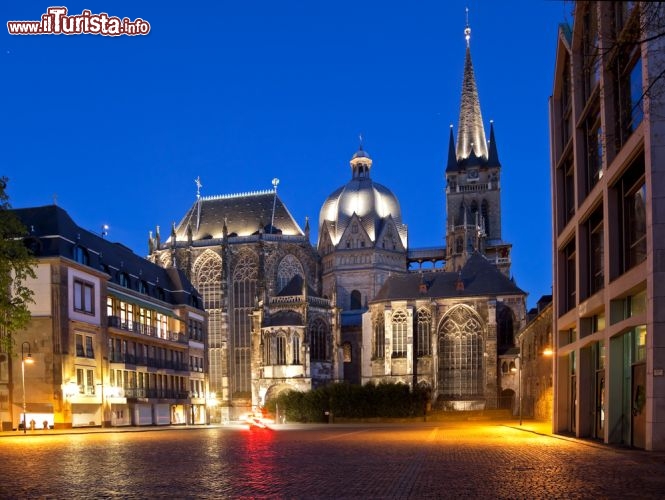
{"type": "Point", "coordinates": [473, 188]}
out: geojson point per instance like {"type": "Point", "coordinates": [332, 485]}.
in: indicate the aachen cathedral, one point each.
{"type": "Point", "coordinates": [358, 306]}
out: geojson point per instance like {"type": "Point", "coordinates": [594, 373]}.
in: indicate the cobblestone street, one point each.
{"type": "Point", "coordinates": [443, 460]}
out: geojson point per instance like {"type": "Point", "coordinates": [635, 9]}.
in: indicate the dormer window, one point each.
{"type": "Point", "coordinates": [123, 280]}
{"type": "Point", "coordinates": [81, 255]}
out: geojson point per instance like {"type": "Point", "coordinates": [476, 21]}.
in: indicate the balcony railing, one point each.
{"type": "Point", "coordinates": [131, 359]}
{"type": "Point", "coordinates": [148, 330]}
{"type": "Point", "coordinates": [145, 393]}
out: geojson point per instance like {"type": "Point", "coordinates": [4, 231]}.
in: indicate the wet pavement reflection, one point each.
{"type": "Point", "coordinates": [350, 461]}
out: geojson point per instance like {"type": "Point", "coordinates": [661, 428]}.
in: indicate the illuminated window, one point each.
{"type": "Point", "coordinates": [399, 325]}
{"type": "Point", "coordinates": [296, 349]}
{"type": "Point", "coordinates": [460, 354]}
{"type": "Point", "coordinates": [423, 327]}
{"type": "Point", "coordinates": [280, 349]}
{"type": "Point", "coordinates": [379, 336]}
{"type": "Point", "coordinates": [85, 379]}
{"type": "Point", "coordinates": [245, 275]}
{"type": "Point", "coordinates": [207, 274]}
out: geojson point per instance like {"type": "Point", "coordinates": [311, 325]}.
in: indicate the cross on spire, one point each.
{"type": "Point", "coordinates": [467, 30]}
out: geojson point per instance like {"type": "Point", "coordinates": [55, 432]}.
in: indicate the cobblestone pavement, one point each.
{"type": "Point", "coordinates": [427, 460]}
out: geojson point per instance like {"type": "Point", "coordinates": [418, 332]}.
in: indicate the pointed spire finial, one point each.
{"type": "Point", "coordinates": [361, 139]}
{"type": "Point", "coordinates": [197, 181]}
{"type": "Point", "coordinates": [467, 30]}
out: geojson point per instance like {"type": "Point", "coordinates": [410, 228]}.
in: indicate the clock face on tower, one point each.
{"type": "Point", "coordinates": [472, 175]}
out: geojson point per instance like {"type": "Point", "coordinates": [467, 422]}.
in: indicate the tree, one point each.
{"type": "Point", "coordinates": [16, 267]}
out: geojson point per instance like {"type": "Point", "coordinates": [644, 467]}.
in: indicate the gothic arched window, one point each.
{"type": "Point", "coordinates": [423, 327]}
{"type": "Point", "coordinates": [245, 275]}
{"type": "Point", "coordinates": [208, 278]}
{"type": "Point", "coordinates": [485, 212]}
{"type": "Point", "coordinates": [356, 301]}
{"type": "Point", "coordinates": [462, 214]}
{"type": "Point", "coordinates": [504, 328]}
{"type": "Point", "coordinates": [474, 211]}
{"type": "Point", "coordinates": [280, 349]}
{"type": "Point", "coordinates": [318, 341]}
{"type": "Point", "coordinates": [288, 267]}
{"type": "Point", "coordinates": [459, 244]}
{"type": "Point", "coordinates": [399, 325]}
{"type": "Point", "coordinates": [461, 347]}
{"type": "Point", "coordinates": [379, 336]}
{"type": "Point", "coordinates": [295, 342]}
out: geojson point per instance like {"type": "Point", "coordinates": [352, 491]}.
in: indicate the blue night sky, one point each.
{"type": "Point", "coordinates": [241, 92]}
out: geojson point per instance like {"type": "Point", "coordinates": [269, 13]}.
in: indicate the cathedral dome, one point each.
{"type": "Point", "coordinates": [371, 202]}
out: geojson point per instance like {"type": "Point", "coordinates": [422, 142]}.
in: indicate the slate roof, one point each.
{"type": "Point", "coordinates": [479, 276]}
{"type": "Point", "coordinates": [283, 318]}
{"type": "Point", "coordinates": [52, 233]}
{"type": "Point", "coordinates": [244, 214]}
{"type": "Point", "coordinates": [294, 287]}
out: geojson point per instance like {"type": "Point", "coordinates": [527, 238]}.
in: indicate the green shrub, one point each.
{"type": "Point", "coordinates": [387, 400]}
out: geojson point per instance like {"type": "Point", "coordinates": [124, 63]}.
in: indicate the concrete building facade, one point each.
{"type": "Point", "coordinates": [608, 171]}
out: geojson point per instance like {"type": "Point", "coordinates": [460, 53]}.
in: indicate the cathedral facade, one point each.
{"type": "Point", "coordinates": [285, 314]}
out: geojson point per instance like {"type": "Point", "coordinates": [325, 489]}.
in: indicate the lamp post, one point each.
{"type": "Point", "coordinates": [518, 370]}
{"type": "Point", "coordinates": [519, 381]}
{"type": "Point", "coordinates": [25, 358]}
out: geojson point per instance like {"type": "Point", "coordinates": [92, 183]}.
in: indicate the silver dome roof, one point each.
{"type": "Point", "coordinates": [369, 200]}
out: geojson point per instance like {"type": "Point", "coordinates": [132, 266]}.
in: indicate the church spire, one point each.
{"type": "Point", "coordinates": [493, 160]}
{"type": "Point", "coordinates": [470, 134]}
{"type": "Point", "coordinates": [452, 158]}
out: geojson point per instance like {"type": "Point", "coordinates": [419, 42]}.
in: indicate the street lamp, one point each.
{"type": "Point", "coordinates": [518, 370]}
{"type": "Point", "coordinates": [25, 358]}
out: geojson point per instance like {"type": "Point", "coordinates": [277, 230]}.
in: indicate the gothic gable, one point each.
{"type": "Point", "coordinates": [389, 237]}
{"type": "Point", "coordinates": [355, 235]}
